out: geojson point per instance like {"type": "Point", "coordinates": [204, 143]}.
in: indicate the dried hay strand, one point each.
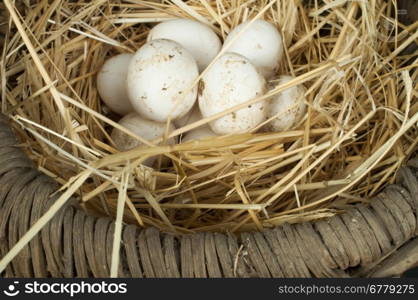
{"type": "Point", "coordinates": [354, 58]}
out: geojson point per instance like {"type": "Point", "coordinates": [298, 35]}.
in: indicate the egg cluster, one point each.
{"type": "Point", "coordinates": [159, 82]}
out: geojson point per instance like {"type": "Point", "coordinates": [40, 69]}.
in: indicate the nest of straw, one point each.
{"type": "Point", "coordinates": [354, 58]}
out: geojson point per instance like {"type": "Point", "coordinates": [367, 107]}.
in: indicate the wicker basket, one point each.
{"type": "Point", "coordinates": [375, 240]}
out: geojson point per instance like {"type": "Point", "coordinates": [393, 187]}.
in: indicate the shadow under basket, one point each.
{"type": "Point", "coordinates": [375, 240]}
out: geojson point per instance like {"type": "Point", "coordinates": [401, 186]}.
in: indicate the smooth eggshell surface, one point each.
{"type": "Point", "coordinates": [232, 80]}
{"type": "Point", "coordinates": [160, 77]}
{"type": "Point", "coordinates": [147, 129]}
{"type": "Point", "coordinates": [197, 38]}
{"type": "Point", "coordinates": [289, 105]}
{"type": "Point", "coordinates": [260, 42]}
{"type": "Point", "coordinates": [111, 83]}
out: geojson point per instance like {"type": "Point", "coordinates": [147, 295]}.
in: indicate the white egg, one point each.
{"type": "Point", "coordinates": [147, 129]}
{"type": "Point", "coordinates": [199, 39]}
{"type": "Point", "coordinates": [191, 117]}
{"type": "Point", "coordinates": [201, 132]}
{"type": "Point", "coordinates": [111, 83]}
{"type": "Point", "coordinates": [261, 43]}
{"type": "Point", "coordinates": [289, 105]}
{"type": "Point", "coordinates": [160, 79]}
{"type": "Point", "coordinates": [232, 80]}
{"type": "Point", "coordinates": [197, 133]}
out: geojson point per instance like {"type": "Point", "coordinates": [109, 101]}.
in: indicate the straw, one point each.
{"type": "Point", "coordinates": [361, 93]}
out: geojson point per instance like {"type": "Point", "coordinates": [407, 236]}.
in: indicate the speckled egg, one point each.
{"type": "Point", "coordinates": [160, 79]}
{"type": "Point", "coordinates": [201, 132]}
{"type": "Point", "coordinates": [232, 80]}
{"type": "Point", "coordinates": [147, 129]}
{"type": "Point", "coordinates": [260, 42]}
{"type": "Point", "coordinates": [111, 83]}
{"type": "Point", "coordinates": [197, 38]}
{"type": "Point", "coordinates": [289, 105]}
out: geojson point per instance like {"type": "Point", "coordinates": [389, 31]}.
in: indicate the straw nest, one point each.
{"type": "Point", "coordinates": [361, 124]}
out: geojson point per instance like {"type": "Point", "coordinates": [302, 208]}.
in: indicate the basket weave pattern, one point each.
{"type": "Point", "coordinates": [75, 244]}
